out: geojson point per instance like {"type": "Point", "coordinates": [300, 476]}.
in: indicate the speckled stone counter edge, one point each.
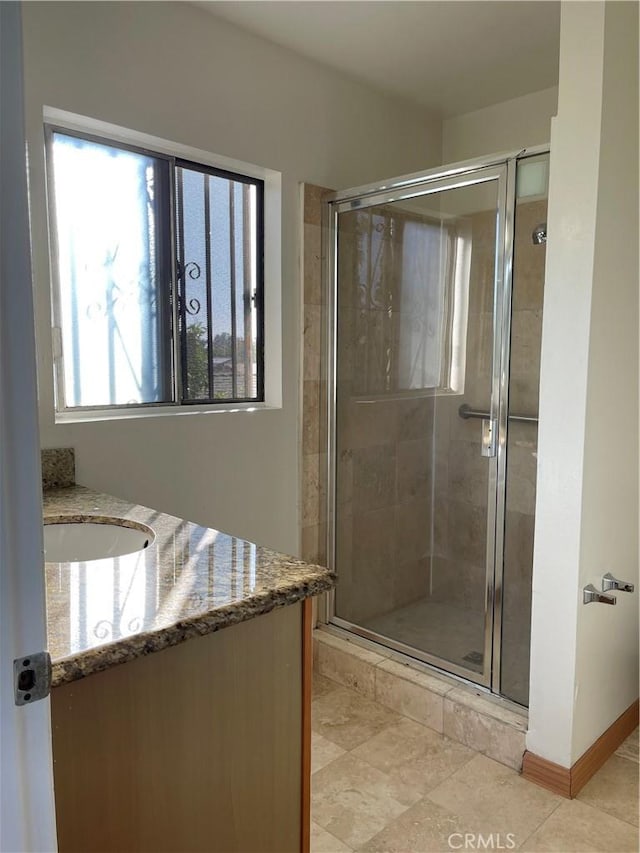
{"type": "Point", "coordinates": [104, 657]}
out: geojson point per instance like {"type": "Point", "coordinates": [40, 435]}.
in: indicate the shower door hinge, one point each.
{"type": "Point", "coordinates": [32, 678]}
{"type": "Point", "coordinates": [489, 437]}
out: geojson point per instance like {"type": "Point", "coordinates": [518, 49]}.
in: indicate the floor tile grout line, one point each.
{"type": "Point", "coordinates": [542, 823]}
{"type": "Point", "coordinates": [441, 735]}
{"type": "Point", "coordinates": [425, 794]}
{"type": "Point", "coordinates": [582, 802]}
{"type": "Point", "coordinates": [609, 814]}
{"type": "Point", "coordinates": [344, 844]}
{"type": "Point", "coordinates": [352, 748]}
{"type": "Point", "coordinates": [385, 828]}
{"type": "Point", "coordinates": [405, 808]}
{"type": "Point", "coordinates": [415, 805]}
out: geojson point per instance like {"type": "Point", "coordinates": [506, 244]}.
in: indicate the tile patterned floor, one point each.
{"type": "Point", "coordinates": [385, 784]}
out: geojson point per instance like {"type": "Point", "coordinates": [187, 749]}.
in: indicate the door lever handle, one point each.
{"type": "Point", "coordinates": [609, 582]}
{"type": "Point", "coordinates": [591, 594]}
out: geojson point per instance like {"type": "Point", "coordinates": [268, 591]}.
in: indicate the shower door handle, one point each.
{"type": "Point", "coordinates": [489, 443]}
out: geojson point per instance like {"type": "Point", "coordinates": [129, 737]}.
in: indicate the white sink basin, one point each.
{"type": "Point", "coordinates": [84, 540]}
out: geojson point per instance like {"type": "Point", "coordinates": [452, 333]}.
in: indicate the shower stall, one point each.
{"type": "Point", "coordinates": [435, 289]}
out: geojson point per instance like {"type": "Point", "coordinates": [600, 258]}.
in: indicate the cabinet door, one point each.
{"type": "Point", "coordinates": [194, 748]}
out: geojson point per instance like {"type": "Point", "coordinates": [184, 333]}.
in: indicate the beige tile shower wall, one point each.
{"type": "Point", "coordinates": [526, 338]}
{"type": "Point", "coordinates": [528, 286]}
{"type": "Point", "coordinates": [385, 529]}
{"type": "Point", "coordinates": [385, 533]}
{"type": "Point", "coordinates": [458, 571]}
{"type": "Point", "coordinates": [314, 386]}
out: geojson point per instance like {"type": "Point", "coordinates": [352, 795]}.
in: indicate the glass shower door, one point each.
{"type": "Point", "coordinates": [416, 391]}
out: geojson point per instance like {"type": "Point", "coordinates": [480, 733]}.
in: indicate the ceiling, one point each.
{"type": "Point", "coordinates": [451, 57]}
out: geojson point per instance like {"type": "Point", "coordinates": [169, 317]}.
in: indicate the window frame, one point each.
{"type": "Point", "coordinates": [174, 340]}
{"type": "Point", "coordinates": [205, 169]}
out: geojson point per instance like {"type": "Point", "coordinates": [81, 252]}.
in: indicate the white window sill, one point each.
{"type": "Point", "coordinates": [81, 416]}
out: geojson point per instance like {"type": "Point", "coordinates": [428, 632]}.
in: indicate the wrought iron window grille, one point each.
{"type": "Point", "coordinates": [158, 281]}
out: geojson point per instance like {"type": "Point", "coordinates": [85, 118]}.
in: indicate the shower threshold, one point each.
{"type": "Point", "coordinates": [447, 704]}
{"type": "Point", "coordinates": [447, 638]}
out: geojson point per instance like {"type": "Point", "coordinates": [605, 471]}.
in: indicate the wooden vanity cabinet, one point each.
{"type": "Point", "coordinates": [204, 746]}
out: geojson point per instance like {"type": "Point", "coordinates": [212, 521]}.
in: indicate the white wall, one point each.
{"type": "Point", "coordinates": [508, 126]}
{"type": "Point", "coordinates": [584, 658]}
{"type": "Point", "coordinates": [607, 637]}
{"type": "Point", "coordinates": [175, 71]}
{"type": "Point", "coordinates": [518, 123]}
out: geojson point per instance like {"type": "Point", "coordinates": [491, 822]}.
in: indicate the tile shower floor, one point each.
{"type": "Point", "coordinates": [384, 783]}
{"type": "Point", "coordinates": [454, 634]}
{"type": "Point", "coordinates": [449, 632]}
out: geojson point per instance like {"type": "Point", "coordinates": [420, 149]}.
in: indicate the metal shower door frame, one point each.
{"type": "Point", "coordinates": [503, 420]}
{"type": "Point", "coordinates": [501, 168]}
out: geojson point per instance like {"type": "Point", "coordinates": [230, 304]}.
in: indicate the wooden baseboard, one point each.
{"type": "Point", "coordinates": [603, 748]}
{"type": "Point", "coordinates": [548, 775]}
{"type": "Point", "coordinates": [568, 781]}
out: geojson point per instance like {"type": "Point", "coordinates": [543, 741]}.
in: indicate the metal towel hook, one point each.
{"type": "Point", "coordinates": [609, 582]}
{"type": "Point", "coordinates": [590, 594]}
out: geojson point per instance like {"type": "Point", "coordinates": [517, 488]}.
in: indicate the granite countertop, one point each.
{"type": "Point", "coordinates": [188, 582]}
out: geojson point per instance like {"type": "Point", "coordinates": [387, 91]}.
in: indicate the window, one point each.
{"type": "Point", "coordinates": [158, 277]}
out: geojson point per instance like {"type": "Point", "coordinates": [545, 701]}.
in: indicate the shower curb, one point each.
{"type": "Point", "coordinates": [455, 709]}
